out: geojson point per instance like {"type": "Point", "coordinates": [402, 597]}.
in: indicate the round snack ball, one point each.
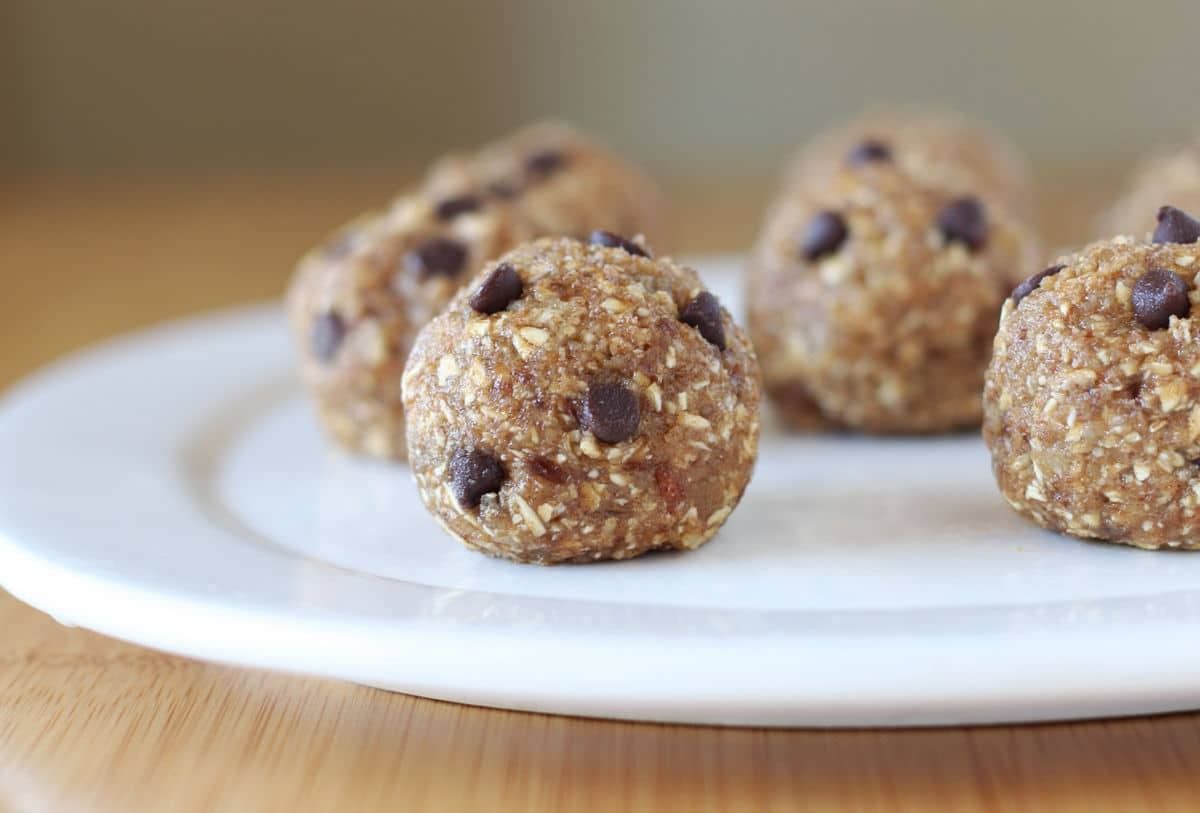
{"type": "Point", "coordinates": [605, 406]}
{"type": "Point", "coordinates": [357, 303]}
{"type": "Point", "coordinates": [1172, 177]}
{"type": "Point", "coordinates": [1092, 398]}
{"type": "Point", "coordinates": [936, 149]}
{"type": "Point", "coordinates": [873, 300]}
{"type": "Point", "coordinates": [556, 182]}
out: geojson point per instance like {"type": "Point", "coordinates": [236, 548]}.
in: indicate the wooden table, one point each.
{"type": "Point", "coordinates": [87, 723]}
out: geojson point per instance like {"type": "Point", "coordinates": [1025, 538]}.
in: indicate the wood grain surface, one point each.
{"type": "Point", "coordinates": [90, 724]}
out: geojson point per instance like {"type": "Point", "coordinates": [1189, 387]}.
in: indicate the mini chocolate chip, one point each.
{"type": "Point", "coordinates": [437, 255]}
{"type": "Point", "coordinates": [474, 473]}
{"type": "Point", "coordinates": [1158, 295]}
{"type": "Point", "coordinates": [497, 290]}
{"type": "Point", "coordinates": [606, 238]}
{"type": "Point", "coordinates": [964, 220]}
{"type": "Point", "coordinates": [503, 190]}
{"type": "Point", "coordinates": [869, 152]}
{"type": "Point", "coordinates": [451, 208]}
{"type": "Point", "coordinates": [1031, 283]}
{"type": "Point", "coordinates": [824, 235]}
{"type": "Point", "coordinates": [328, 330]}
{"type": "Point", "coordinates": [545, 163]}
{"type": "Point", "coordinates": [610, 412]}
{"type": "Point", "coordinates": [1176, 226]}
{"type": "Point", "coordinates": [704, 314]}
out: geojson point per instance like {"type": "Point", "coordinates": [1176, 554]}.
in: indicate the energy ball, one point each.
{"type": "Point", "coordinates": [936, 149]}
{"type": "Point", "coordinates": [357, 302]}
{"type": "Point", "coordinates": [581, 401]}
{"type": "Point", "coordinates": [873, 299]}
{"type": "Point", "coordinates": [556, 182]}
{"type": "Point", "coordinates": [1172, 177]}
{"type": "Point", "coordinates": [1092, 399]}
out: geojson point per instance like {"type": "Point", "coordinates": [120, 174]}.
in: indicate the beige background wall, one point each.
{"type": "Point", "coordinates": [96, 86]}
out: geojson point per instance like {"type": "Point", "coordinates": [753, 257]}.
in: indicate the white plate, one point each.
{"type": "Point", "coordinates": [171, 489]}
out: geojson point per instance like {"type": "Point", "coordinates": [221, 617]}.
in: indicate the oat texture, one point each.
{"type": "Point", "coordinates": [356, 303]}
{"type": "Point", "coordinates": [1092, 419]}
{"type": "Point", "coordinates": [511, 385]}
{"type": "Point", "coordinates": [558, 184]}
{"type": "Point", "coordinates": [891, 330]}
{"type": "Point", "coordinates": [934, 148]}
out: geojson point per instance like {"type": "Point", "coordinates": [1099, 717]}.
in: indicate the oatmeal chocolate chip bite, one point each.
{"type": "Point", "coordinates": [873, 299]}
{"type": "Point", "coordinates": [1172, 177]}
{"type": "Point", "coordinates": [356, 303]}
{"type": "Point", "coordinates": [555, 182]}
{"type": "Point", "coordinates": [934, 148]}
{"type": "Point", "coordinates": [1092, 398]}
{"type": "Point", "coordinates": [581, 401]}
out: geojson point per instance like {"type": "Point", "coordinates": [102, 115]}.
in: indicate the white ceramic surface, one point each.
{"type": "Point", "coordinates": [171, 489]}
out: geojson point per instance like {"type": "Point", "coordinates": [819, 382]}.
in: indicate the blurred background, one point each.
{"type": "Point", "coordinates": [164, 156]}
{"type": "Point", "coordinates": [687, 86]}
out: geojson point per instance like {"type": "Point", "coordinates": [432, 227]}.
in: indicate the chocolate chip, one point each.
{"type": "Point", "coordinates": [964, 220]}
{"type": "Point", "coordinates": [1030, 284]}
{"type": "Point", "coordinates": [545, 163]}
{"type": "Point", "coordinates": [451, 208]}
{"type": "Point", "coordinates": [824, 235]}
{"type": "Point", "coordinates": [437, 255]}
{"type": "Point", "coordinates": [474, 473]}
{"type": "Point", "coordinates": [704, 314]}
{"type": "Point", "coordinates": [869, 152]}
{"type": "Point", "coordinates": [1157, 296]}
{"type": "Point", "coordinates": [497, 290]}
{"type": "Point", "coordinates": [610, 412]}
{"type": "Point", "coordinates": [503, 190]}
{"type": "Point", "coordinates": [606, 238]}
{"type": "Point", "coordinates": [1176, 226]}
{"type": "Point", "coordinates": [328, 330]}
